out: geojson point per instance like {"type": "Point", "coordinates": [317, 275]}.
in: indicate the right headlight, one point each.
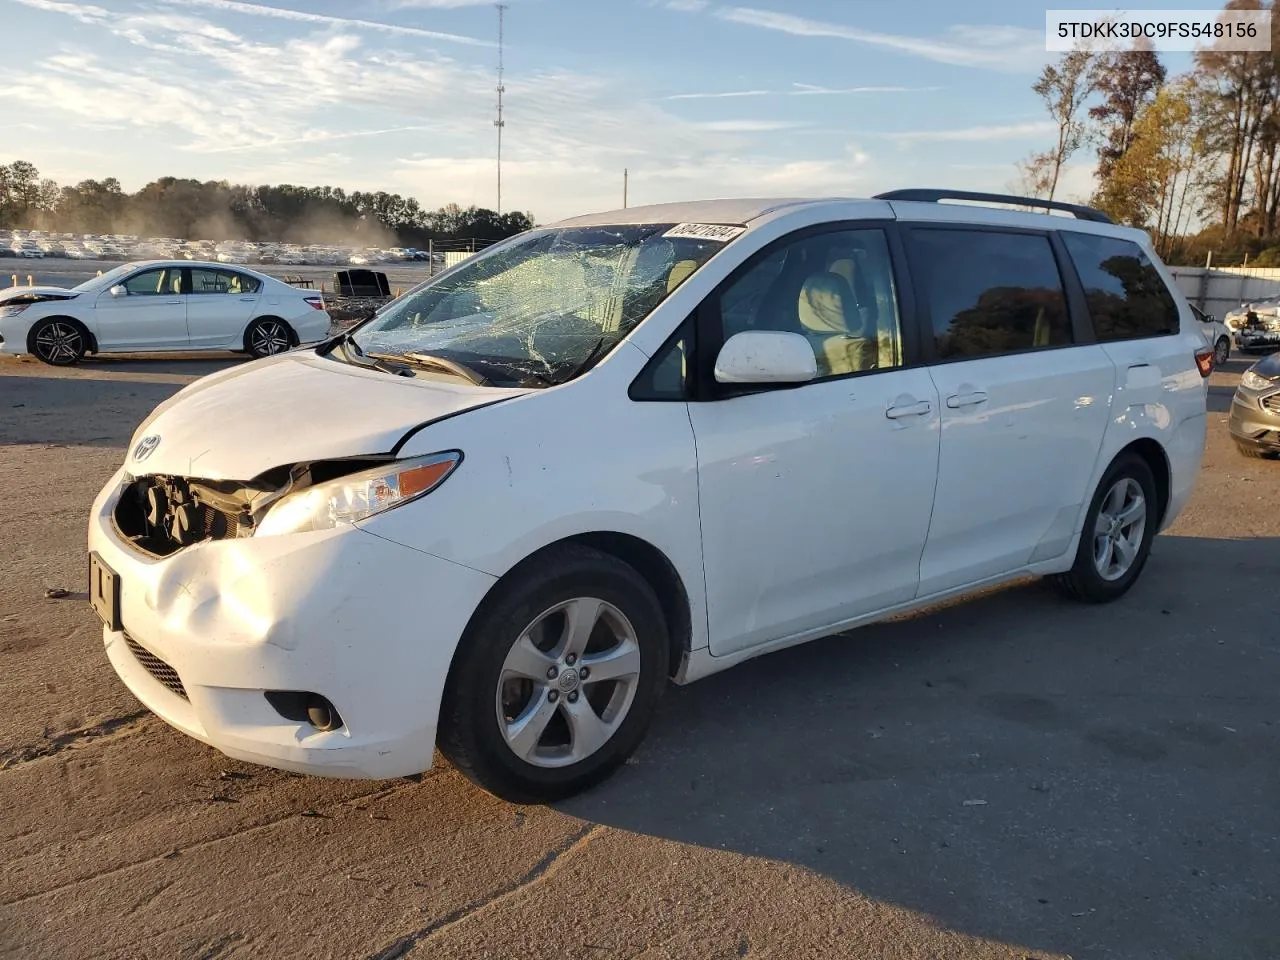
{"type": "Point", "coordinates": [12, 310]}
{"type": "Point", "coordinates": [358, 496]}
{"type": "Point", "coordinates": [1253, 381]}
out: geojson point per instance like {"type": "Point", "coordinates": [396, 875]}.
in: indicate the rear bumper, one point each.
{"type": "Point", "coordinates": [368, 624]}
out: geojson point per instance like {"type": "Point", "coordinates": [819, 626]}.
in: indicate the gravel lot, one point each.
{"type": "Point", "coordinates": [1011, 777]}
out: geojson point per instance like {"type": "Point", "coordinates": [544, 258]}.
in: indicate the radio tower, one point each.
{"type": "Point", "coordinates": [500, 123]}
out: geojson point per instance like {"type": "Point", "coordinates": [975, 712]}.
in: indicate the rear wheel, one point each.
{"type": "Point", "coordinates": [268, 336]}
{"type": "Point", "coordinates": [58, 341]}
{"type": "Point", "coordinates": [557, 677]}
{"type": "Point", "coordinates": [1117, 535]}
{"type": "Point", "coordinates": [1221, 351]}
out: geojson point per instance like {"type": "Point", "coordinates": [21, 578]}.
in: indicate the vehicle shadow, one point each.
{"type": "Point", "coordinates": [1097, 781]}
{"type": "Point", "coordinates": [77, 412]}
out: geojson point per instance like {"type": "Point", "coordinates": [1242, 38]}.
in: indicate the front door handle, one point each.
{"type": "Point", "coordinates": [966, 399]}
{"type": "Point", "coordinates": [918, 409]}
{"type": "Point", "coordinates": [173, 301]}
{"type": "Point", "coordinates": [248, 299]}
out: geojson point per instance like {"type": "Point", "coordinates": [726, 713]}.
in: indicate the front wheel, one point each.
{"type": "Point", "coordinates": [1117, 535]}
{"type": "Point", "coordinates": [268, 336]}
{"type": "Point", "coordinates": [59, 342]}
{"type": "Point", "coordinates": [556, 678]}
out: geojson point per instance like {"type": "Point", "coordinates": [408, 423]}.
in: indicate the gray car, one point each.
{"type": "Point", "coordinates": [1255, 411]}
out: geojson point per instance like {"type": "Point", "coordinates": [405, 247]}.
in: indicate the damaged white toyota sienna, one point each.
{"type": "Point", "coordinates": [634, 447]}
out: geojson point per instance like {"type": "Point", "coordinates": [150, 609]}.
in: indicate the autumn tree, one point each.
{"type": "Point", "coordinates": [1126, 80]}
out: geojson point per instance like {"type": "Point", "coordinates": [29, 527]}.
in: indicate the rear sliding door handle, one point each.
{"type": "Point", "coordinates": [966, 399]}
{"type": "Point", "coordinates": [919, 409]}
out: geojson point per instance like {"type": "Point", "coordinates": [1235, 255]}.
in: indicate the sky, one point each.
{"type": "Point", "coordinates": [695, 98]}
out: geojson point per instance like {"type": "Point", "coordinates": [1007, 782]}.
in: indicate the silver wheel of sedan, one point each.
{"type": "Point", "coordinates": [568, 682]}
{"type": "Point", "coordinates": [1221, 351]}
{"type": "Point", "coordinates": [1120, 527]}
{"type": "Point", "coordinates": [58, 342]}
{"type": "Point", "coordinates": [268, 337]}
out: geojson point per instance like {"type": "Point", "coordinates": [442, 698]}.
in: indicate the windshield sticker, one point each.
{"type": "Point", "coordinates": [719, 232]}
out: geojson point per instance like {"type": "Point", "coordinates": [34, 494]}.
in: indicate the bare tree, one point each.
{"type": "Point", "coordinates": [1064, 87]}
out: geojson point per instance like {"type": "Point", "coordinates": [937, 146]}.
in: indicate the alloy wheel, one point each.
{"type": "Point", "coordinates": [1222, 353]}
{"type": "Point", "coordinates": [58, 343]}
{"type": "Point", "coordinates": [568, 682]}
{"type": "Point", "coordinates": [269, 338]}
{"type": "Point", "coordinates": [1119, 529]}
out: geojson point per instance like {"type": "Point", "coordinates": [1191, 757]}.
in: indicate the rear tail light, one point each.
{"type": "Point", "coordinates": [1204, 361]}
{"type": "Point", "coordinates": [317, 303]}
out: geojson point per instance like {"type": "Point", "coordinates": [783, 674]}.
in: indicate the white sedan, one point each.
{"type": "Point", "coordinates": [161, 305]}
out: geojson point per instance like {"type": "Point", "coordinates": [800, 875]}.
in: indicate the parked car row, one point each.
{"type": "Point", "coordinates": [36, 244]}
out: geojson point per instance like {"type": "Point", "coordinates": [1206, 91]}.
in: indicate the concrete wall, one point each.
{"type": "Point", "coordinates": [1216, 290]}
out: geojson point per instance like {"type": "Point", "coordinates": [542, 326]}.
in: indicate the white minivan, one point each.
{"type": "Point", "coordinates": [640, 446]}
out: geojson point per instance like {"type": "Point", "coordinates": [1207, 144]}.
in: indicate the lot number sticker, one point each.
{"type": "Point", "coordinates": [719, 232]}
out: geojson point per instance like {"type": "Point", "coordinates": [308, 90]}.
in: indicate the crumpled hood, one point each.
{"type": "Point", "coordinates": [13, 293]}
{"type": "Point", "coordinates": [295, 407]}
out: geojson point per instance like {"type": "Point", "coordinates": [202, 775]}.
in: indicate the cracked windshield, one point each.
{"type": "Point", "coordinates": [539, 311]}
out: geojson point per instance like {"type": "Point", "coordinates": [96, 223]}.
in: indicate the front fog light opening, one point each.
{"type": "Point", "coordinates": [302, 706]}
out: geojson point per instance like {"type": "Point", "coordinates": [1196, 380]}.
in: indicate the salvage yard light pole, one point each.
{"type": "Point", "coordinates": [500, 123]}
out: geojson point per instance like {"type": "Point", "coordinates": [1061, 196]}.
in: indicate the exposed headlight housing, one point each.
{"type": "Point", "coordinates": [358, 496]}
{"type": "Point", "coordinates": [1254, 381]}
{"type": "Point", "coordinates": [12, 309]}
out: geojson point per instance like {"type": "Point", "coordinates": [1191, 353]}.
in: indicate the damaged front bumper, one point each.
{"type": "Point", "coordinates": [371, 626]}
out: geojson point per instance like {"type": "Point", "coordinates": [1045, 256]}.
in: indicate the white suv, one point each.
{"type": "Point", "coordinates": [638, 446]}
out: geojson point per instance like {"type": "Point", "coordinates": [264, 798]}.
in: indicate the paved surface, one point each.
{"type": "Point", "coordinates": [1012, 777]}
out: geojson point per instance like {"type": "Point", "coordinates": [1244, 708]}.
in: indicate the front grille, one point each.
{"type": "Point", "coordinates": [1272, 403]}
{"type": "Point", "coordinates": [161, 671]}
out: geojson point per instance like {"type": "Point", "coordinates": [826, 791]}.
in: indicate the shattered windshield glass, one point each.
{"type": "Point", "coordinates": [541, 309]}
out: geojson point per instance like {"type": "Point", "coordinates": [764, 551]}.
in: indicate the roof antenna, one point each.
{"type": "Point", "coordinates": [500, 123]}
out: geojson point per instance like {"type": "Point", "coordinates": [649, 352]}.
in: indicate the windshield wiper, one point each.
{"type": "Point", "coordinates": [357, 357]}
{"type": "Point", "coordinates": [437, 363]}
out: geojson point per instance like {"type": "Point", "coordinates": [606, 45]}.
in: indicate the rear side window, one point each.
{"type": "Point", "coordinates": [1126, 295]}
{"type": "Point", "coordinates": [991, 293]}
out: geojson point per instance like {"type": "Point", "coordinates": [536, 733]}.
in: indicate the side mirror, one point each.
{"type": "Point", "coordinates": [766, 356]}
{"type": "Point", "coordinates": [119, 290]}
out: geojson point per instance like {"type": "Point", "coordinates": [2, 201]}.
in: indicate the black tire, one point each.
{"type": "Point", "coordinates": [268, 336]}
{"type": "Point", "coordinates": [1221, 351]}
{"type": "Point", "coordinates": [58, 341]}
{"type": "Point", "coordinates": [1084, 582]}
{"type": "Point", "coordinates": [1254, 452]}
{"type": "Point", "coordinates": [471, 734]}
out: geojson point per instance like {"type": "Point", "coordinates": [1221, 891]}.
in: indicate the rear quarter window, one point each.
{"type": "Point", "coordinates": [1126, 296]}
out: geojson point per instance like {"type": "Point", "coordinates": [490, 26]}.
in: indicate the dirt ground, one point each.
{"type": "Point", "coordinates": [1012, 777]}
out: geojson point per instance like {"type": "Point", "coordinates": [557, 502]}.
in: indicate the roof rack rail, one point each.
{"type": "Point", "coordinates": [928, 195]}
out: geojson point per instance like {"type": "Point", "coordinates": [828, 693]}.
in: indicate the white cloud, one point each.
{"type": "Point", "coordinates": [299, 16]}
{"type": "Point", "coordinates": [798, 90]}
{"type": "Point", "coordinates": [193, 98]}
{"type": "Point", "coordinates": [996, 47]}
{"type": "Point", "coordinates": [750, 126]}
{"type": "Point", "coordinates": [686, 6]}
{"type": "Point", "coordinates": [1008, 131]}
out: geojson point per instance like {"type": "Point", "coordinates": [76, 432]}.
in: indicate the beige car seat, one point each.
{"type": "Point", "coordinates": [833, 325]}
{"type": "Point", "coordinates": [884, 328]}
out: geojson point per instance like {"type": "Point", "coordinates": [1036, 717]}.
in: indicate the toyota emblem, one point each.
{"type": "Point", "coordinates": [146, 446]}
